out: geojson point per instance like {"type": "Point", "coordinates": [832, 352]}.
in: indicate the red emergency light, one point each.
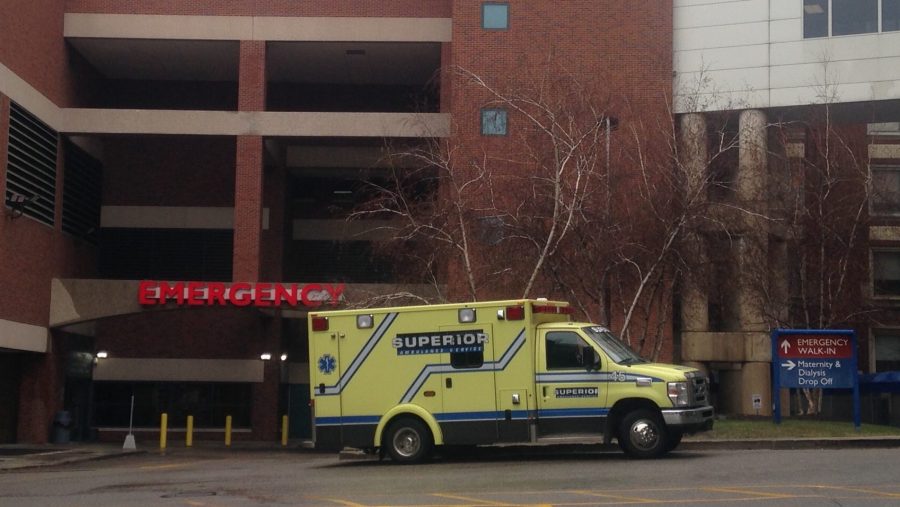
{"type": "Point", "coordinates": [515, 313]}
{"type": "Point", "coordinates": [560, 310]}
{"type": "Point", "coordinates": [320, 323]}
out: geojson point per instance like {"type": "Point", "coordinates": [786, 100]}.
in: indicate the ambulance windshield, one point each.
{"type": "Point", "coordinates": [617, 351]}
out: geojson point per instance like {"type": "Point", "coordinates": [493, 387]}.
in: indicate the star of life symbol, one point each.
{"type": "Point", "coordinates": [327, 364]}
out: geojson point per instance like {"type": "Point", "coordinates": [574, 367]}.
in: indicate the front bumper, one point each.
{"type": "Point", "coordinates": [689, 420]}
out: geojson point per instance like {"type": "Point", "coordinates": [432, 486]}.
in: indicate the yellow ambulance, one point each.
{"type": "Point", "coordinates": [403, 380]}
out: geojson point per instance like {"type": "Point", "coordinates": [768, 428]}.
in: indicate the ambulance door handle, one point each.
{"type": "Point", "coordinates": [545, 391]}
{"type": "Point", "coordinates": [448, 382]}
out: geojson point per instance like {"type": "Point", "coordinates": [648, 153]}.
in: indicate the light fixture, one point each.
{"type": "Point", "coordinates": [102, 354]}
{"type": "Point", "coordinates": [17, 204]}
{"type": "Point", "coordinates": [265, 356]}
{"type": "Point", "coordinates": [284, 357]}
{"type": "Point", "coordinates": [466, 315]}
{"type": "Point", "coordinates": [365, 321]}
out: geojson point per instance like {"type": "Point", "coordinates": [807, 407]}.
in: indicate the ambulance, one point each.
{"type": "Point", "coordinates": [403, 381]}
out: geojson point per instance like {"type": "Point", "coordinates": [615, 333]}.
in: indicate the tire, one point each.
{"type": "Point", "coordinates": [673, 440]}
{"type": "Point", "coordinates": [643, 435]}
{"type": "Point", "coordinates": [408, 441]}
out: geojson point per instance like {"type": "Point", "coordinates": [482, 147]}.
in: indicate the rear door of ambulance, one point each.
{"type": "Point", "coordinates": [325, 369]}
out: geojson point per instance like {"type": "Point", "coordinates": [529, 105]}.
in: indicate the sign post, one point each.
{"type": "Point", "coordinates": [814, 359]}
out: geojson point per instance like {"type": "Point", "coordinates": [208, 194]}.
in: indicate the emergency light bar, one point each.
{"type": "Point", "coordinates": [561, 310]}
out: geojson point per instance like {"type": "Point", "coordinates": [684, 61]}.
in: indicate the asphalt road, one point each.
{"type": "Point", "coordinates": [220, 478]}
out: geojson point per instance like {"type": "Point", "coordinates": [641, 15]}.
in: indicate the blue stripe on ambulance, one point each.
{"type": "Point", "coordinates": [430, 369]}
{"type": "Point", "coordinates": [361, 357]}
{"type": "Point", "coordinates": [450, 417]}
{"type": "Point", "coordinates": [572, 412]}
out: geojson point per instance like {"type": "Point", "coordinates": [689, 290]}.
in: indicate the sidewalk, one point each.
{"type": "Point", "coordinates": [24, 456]}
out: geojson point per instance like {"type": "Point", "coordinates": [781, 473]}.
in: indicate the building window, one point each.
{"type": "Point", "coordinates": [887, 350]}
{"type": "Point", "coordinates": [885, 272]}
{"type": "Point", "coordinates": [82, 194]}
{"type": "Point", "coordinates": [208, 402]}
{"type": "Point", "coordinates": [822, 18]}
{"type": "Point", "coordinates": [890, 15]}
{"type": "Point", "coordinates": [885, 190]}
{"type": "Point", "coordinates": [495, 16]}
{"type": "Point", "coordinates": [493, 122]}
{"type": "Point", "coordinates": [850, 17]}
{"type": "Point", "coordinates": [815, 18]}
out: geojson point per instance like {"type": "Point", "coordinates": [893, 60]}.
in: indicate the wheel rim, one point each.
{"type": "Point", "coordinates": [407, 442]}
{"type": "Point", "coordinates": [644, 435]}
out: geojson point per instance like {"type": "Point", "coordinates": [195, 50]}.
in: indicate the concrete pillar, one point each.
{"type": "Point", "coordinates": [695, 286]}
{"type": "Point", "coordinates": [752, 248]}
{"type": "Point", "coordinates": [248, 184]}
{"type": "Point", "coordinates": [752, 178]}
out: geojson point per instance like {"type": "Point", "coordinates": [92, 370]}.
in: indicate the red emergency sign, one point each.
{"type": "Point", "coordinates": [238, 294]}
{"type": "Point", "coordinates": [815, 346]}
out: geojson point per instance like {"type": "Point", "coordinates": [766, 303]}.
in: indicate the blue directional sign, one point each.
{"type": "Point", "coordinates": [814, 359]}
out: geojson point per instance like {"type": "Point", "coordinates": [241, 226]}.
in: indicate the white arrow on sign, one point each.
{"type": "Point", "coordinates": [790, 365]}
{"type": "Point", "coordinates": [785, 345]}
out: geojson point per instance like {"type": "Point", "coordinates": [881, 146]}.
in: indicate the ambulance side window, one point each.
{"type": "Point", "coordinates": [460, 360]}
{"type": "Point", "coordinates": [566, 350]}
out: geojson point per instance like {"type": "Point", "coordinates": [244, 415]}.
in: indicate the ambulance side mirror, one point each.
{"type": "Point", "coordinates": [594, 364]}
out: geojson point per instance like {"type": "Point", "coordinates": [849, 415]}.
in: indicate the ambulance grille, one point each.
{"type": "Point", "coordinates": [700, 390]}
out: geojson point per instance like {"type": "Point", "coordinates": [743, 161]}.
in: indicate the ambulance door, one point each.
{"type": "Point", "coordinates": [571, 391]}
{"type": "Point", "coordinates": [325, 379]}
{"type": "Point", "coordinates": [469, 401]}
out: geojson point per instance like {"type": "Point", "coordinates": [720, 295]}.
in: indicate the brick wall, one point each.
{"type": "Point", "coordinates": [168, 171]}
{"type": "Point", "coordinates": [389, 8]}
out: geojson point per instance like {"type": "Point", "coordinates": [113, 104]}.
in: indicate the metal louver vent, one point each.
{"type": "Point", "coordinates": [81, 193]}
{"type": "Point", "coordinates": [31, 168]}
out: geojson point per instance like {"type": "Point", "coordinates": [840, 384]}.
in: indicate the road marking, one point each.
{"type": "Point", "coordinates": [741, 491]}
{"type": "Point", "coordinates": [632, 499]}
{"type": "Point", "coordinates": [477, 501]}
{"type": "Point", "coordinates": [344, 502]}
{"type": "Point", "coordinates": [861, 490]}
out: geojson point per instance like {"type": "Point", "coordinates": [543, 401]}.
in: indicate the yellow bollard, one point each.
{"type": "Point", "coordinates": [284, 430]}
{"type": "Point", "coordinates": [163, 428]}
{"type": "Point", "coordinates": [227, 431]}
{"type": "Point", "coordinates": [189, 434]}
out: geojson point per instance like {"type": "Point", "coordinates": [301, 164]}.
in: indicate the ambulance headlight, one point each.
{"type": "Point", "coordinates": [466, 315]}
{"type": "Point", "coordinates": [364, 321]}
{"type": "Point", "coordinates": [678, 393]}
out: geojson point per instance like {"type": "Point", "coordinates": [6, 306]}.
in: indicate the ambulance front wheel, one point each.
{"type": "Point", "coordinates": [408, 440]}
{"type": "Point", "coordinates": [642, 434]}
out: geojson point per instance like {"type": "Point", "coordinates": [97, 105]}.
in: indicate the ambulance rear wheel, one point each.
{"type": "Point", "coordinates": [642, 434]}
{"type": "Point", "coordinates": [408, 441]}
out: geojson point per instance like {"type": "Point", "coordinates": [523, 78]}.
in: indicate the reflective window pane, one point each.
{"type": "Point", "coordinates": [495, 16]}
{"type": "Point", "coordinates": [854, 16]}
{"type": "Point", "coordinates": [886, 190]}
{"type": "Point", "coordinates": [890, 15]}
{"type": "Point", "coordinates": [493, 122]}
{"type": "Point", "coordinates": [886, 272]}
{"type": "Point", "coordinates": [815, 18]}
{"type": "Point", "coordinates": [887, 350]}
